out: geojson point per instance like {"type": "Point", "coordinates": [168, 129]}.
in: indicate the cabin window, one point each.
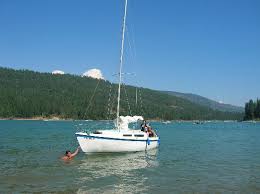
{"type": "Point", "coordinates": [97, 132]}
{"type": "Point", "coordinates": [139, 135]}
{"type": "Point", "coordinates": [127, 135]}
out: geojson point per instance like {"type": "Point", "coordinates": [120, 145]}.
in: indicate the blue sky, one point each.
{"type": "Point", "coordinates": [206, 47]}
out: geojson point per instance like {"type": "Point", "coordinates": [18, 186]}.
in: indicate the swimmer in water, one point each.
{"type": "Point", "coordinates": [68, 155]}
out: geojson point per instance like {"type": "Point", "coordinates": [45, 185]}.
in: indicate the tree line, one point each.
{"type": "Point", "coordinates": [252, 110]}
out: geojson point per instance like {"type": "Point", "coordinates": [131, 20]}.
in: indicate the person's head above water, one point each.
{"type": "Point", "coordinates": [68, 153]}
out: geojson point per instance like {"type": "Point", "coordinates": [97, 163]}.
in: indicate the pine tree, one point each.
{"type": "Point", "coordinates": [247, 112]}
{"type": "Point", "coordinates": [257, 109]}
{"type": "Point", "coordinates": [251, 109]}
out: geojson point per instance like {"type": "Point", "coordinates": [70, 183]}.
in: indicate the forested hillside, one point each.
{"type": "Point", "coordinates": [25, 94]}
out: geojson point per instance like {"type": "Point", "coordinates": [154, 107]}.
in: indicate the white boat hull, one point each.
{"type": "Point", "coordinates": [115, 142]}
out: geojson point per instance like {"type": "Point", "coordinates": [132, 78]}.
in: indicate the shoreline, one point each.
{"type": "Point", "coordinates": [70, 119]}
{"type": "Point", "coordinates": [35, 119]}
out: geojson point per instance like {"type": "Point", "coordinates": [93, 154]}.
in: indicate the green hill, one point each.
{"type": "Point", "coordinates": [200, 100]}
{"type": "Point", "coordinates": [25, 94]}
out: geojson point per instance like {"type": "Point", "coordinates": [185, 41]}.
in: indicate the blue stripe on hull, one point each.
{"type": "Point", "coordinates": [111, 138]}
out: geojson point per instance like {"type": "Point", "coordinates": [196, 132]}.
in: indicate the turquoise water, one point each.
{"type": "Point", "coordinates": [213, 157]}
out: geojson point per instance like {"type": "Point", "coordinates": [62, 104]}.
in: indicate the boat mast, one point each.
{"type": "Point", "coordinates": [120, 68]}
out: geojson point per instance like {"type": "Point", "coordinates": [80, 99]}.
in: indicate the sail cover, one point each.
{"type": "Point", "coordinates": [125, 120]}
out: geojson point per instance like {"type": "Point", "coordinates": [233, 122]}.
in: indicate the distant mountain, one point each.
{"type": "Point", "coordinates": [200, 100]}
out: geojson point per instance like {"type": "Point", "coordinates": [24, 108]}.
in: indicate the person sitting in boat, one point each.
{"type": "Point", "coordinates": [143, 125]}
{"type": "Point", "coordinates": [68, 155]}
{"type": "Point", "coordinates": [150, 131]}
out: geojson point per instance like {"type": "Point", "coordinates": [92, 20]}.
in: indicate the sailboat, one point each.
{"type": "Point", "coordinates": [121, 138]}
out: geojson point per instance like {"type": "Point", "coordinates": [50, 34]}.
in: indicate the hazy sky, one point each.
{"type": "Point", "coordinates": [207, 47]}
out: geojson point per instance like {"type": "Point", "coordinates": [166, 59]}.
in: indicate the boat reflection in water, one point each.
{"type": "Point", "coordinates": [116, 172]}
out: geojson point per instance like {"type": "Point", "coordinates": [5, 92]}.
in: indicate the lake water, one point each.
{"type": "Point", "coordinates": [213, 157]}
